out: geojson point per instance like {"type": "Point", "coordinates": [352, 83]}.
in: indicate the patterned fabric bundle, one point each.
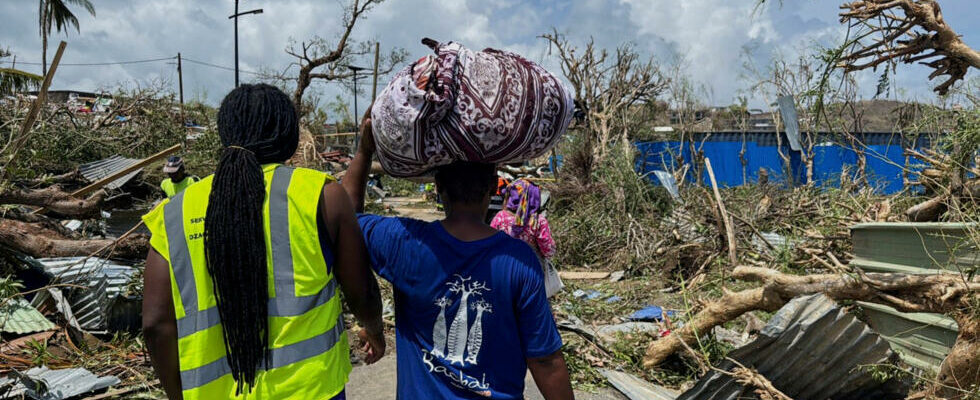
{"type": "Point", "coordinates": [461, 105]}
{"type": "Point", "coordinates": [524, 199]}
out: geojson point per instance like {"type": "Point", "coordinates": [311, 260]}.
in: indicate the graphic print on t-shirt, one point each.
{"type": "Point", "coordinates": [460, 344]}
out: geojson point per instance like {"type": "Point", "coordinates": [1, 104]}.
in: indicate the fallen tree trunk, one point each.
{"type": "Point", "coordinates": [961, 368]}
{"type": "Point", "coordinates": [55, 200]}
{"type": "Point", "coordinates": [39, 242]}
{"type": "Point", "coordinates": [42, 220]}
{"type": "Point", "coordinates": [927, 211]}
{"type": "Point", "coordinates": [944, 294]}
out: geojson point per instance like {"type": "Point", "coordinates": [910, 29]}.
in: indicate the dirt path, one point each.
{"type": "Point", "coordinates": [377, 382]}
{"type": "Point", "coordinates": [413, 207]}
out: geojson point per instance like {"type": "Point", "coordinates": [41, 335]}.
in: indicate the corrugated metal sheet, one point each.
{"type": "Point", "coordinates": [635, 388]}
{"type": "Point", "coordinates": [18, 316]}
{"type": "Point", "coordinates": [810, 349]}
{"type": "Point", "coordinates": [59, 384]}
{"type": "Point", "coordinates": [914, 248]}
{"type": "Point", "coordinates": [96, 170]}
{"type": "Point", "coordinates": [105, 283]}
{"type": "Point", "coordinates": [737, 158]}
{"type": "Point", "coordinates": [923, 340]}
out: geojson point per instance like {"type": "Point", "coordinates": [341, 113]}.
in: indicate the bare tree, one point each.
{"type": "Point", "coordinates": [907, 31]}
{"type": "Point", "coordinates": [608, 89]}
{"type": "Point", "coordinates": [319, 59]}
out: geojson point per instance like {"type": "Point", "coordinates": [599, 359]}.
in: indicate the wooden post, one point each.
{"type": "Point", "coordinates": [377, 57]}
{"type": "Point", "coordinates": [33, 113]}
{"type": "Point", "coordinates": [554, 157]}
{"type": "Point", "coordinates": [729, 231]}
{"type": "Point", "coordinates": [180, 81]}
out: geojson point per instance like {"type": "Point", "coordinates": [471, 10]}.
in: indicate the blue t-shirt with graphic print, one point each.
{"type": "Point", "coordinates": [467, 314]}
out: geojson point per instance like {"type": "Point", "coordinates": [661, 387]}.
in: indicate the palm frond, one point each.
{"type": "Point", "coordinates": [15, 80]}
{"type": "Point", "coordinates": [60, 16]}
{"type": "Point", "coordinates": [86, 4]}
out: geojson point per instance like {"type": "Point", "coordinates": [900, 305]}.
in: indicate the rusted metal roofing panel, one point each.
{"type": "Point", "coordinates": [59, 384]}
{"type": "Point", "coordinates": [923, 340]}
{"type": "Point", "coordinates": [96, 170]}
{"type": "Point", "coordinates": [18, 316]}
{"type": "Point", "coordinates": [810, 349]}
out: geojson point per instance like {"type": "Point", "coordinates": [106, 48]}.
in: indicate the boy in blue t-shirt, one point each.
{"type": "Point", "coordinates": [470, 306]}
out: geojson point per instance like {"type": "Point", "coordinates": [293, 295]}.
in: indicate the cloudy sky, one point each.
{"type": "Point", "coordinates": [710, 36]}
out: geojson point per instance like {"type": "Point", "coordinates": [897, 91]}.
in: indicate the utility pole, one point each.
{"type": "Point", "coordinates": [357, 116]}
{"type": "Point", "coordinates": [377, 56]}
{"type": "Point", "coordinates": [235, 17]}
{"type": "Point", "coordinates": [180, 81]}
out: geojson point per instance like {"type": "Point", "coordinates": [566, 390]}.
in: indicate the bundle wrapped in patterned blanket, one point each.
{"type": "Point", "coordinates": [461, 105]}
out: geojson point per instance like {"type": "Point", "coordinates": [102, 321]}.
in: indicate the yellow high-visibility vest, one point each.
{"type": "Point", "coordinates": [171, 188]}
{"type": "Point", "coordinates": [308, 349]}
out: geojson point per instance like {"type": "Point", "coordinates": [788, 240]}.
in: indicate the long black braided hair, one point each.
{"type": "Point", "coordinates": [257, 125]}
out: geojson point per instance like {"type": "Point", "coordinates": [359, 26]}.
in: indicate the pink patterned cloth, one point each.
{"type": "Point", "coordinates": [539, 237]}
{"type": "Point", "coordinates": [463, 105]}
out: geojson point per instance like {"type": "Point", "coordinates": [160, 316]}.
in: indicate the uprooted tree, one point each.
{"type": "Point", "coordinates": [318, 59]}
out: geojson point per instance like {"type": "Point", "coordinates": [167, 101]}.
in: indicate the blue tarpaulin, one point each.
{"type": "Point", "coordinates": [737, 158]}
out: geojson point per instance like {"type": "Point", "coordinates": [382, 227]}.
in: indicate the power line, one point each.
{"type": "Point", "coordinates": [207, 64]}
{"type": "Point", "coordinates": [98, 64]}
{"type": "Point", "coordinates": [151, 60]}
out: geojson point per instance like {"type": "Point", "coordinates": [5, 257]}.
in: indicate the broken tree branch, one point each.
{"type": "Point", "coordinates": [944, 293]}
{"type": "Point", "coordinates": [907, 31]}
{"type": "Point", "coordinates": [729, 232]}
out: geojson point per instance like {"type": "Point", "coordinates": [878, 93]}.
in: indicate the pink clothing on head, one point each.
{"type": "Point", "coordinates": [539, 237]}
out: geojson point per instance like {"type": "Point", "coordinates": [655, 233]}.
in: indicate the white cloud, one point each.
{"type": "Point", "coordinates": [710, 34]}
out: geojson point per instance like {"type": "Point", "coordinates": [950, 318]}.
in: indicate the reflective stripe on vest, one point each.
{"type": "Point", "coordinates": [285, 303]}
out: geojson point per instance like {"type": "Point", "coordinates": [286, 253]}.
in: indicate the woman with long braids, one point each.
{"type": "Point", "coordinates": [240, 297]}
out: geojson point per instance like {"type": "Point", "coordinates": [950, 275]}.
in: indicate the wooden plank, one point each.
{"type": "Point", "coordinates": [582, 275]}
{"type": "Point", "coordinates": [729, 231]}
{"type": "Point", "coordinates": [377, 57]}
{"type": "Point", "coordinates": [32, 114]}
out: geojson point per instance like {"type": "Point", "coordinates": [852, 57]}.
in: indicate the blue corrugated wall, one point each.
{"type": "Point", "coordinates": [883, 153]}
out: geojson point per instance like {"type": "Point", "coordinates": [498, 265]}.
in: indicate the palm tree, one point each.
{"type": "Point", "coordinates": [55, 13]}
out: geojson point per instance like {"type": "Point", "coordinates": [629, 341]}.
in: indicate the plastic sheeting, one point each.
{"type": "Point", "coordinates": [738, 157]}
